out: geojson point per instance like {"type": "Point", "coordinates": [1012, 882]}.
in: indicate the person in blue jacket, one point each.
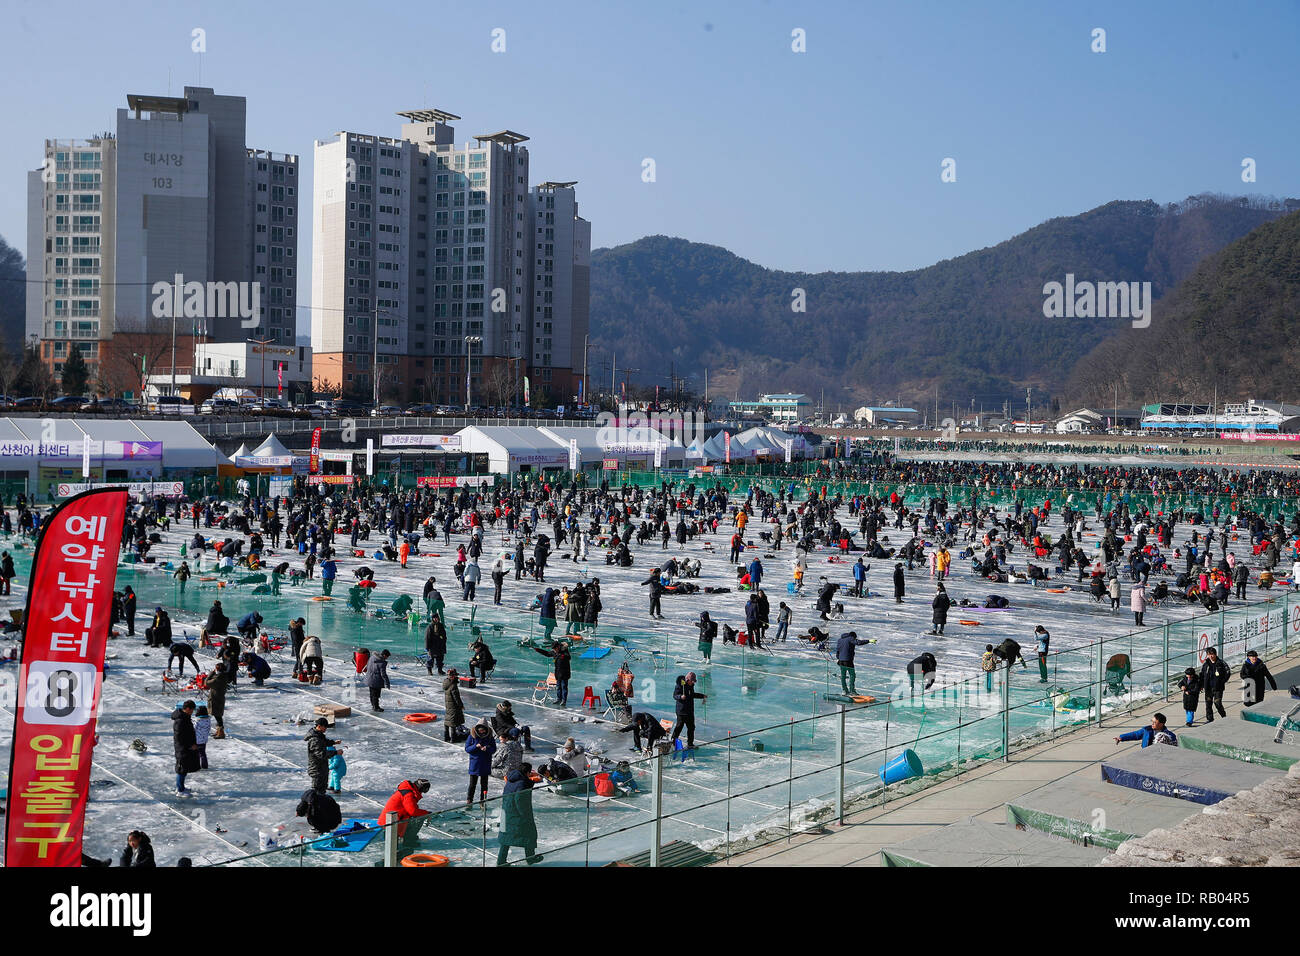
{"type": "Point", "coordinates": [247, 625]}
{"type": "Point", "coordinates": [755, 573]}
{"type": "Point", "coordinates": [546, 614]}
{"type": "Point", "coordinates": [258, 668]}
{"type": "Point", "coordinates": [844, 650]}
{"type": "Point", "coordinates": [480, 746]}
{"type": "Point", "coordinates": [1155, 733]}
{"type": "Point", "coordinates": [859, 578]}
{"type": "Point", "coordinates": [329, 570]}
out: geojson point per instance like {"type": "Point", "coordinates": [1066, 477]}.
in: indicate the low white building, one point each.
{"type": "Point", "coordinates": [271, 370]}
{"type": "Point", "coordinates": [511, 451]}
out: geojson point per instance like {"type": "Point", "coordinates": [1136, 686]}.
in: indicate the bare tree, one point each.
{"type": "Point", "coordinates": [324, 388]}
{"type": "Point", "coordinates": [137, 348]}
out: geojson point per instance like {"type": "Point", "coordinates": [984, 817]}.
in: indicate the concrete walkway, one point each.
{"type": "Point", "coordinates": [982, 793]}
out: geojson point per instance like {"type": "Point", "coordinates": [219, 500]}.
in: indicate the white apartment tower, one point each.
{"type": "Point", "coordinates": [174, 191]}
{"type": "Point", "coordinates": [431, 244]}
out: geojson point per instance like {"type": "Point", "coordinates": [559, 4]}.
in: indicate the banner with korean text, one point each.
{"type": "Point", "coordinates": [61, 678]}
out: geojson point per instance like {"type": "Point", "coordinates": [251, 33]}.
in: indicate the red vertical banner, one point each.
{"type": "Point", "coordinates": [315, 450]}
{"type": "Point", "coordinates": [280, 377]}
{"type": "Point", "coordinates": [61, 678]}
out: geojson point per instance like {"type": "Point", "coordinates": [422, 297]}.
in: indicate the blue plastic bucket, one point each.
{"type": "Point", "coordinates": [904, 766]}
{"type": "Point", "coordinates": [789, 587]}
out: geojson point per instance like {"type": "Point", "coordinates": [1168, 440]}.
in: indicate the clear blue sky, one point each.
{"type": "Point", "coordinates": [823, 160]}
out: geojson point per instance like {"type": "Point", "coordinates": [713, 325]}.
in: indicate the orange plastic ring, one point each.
{"type": "Point", "coordinates": [425, 859]}
{"type": "Point", "coordinates": [322, 597]}
{"type": "Point", "coordinates": [420, 718]}
{"type": "Point", "coordinates": [1057, 590]}
{"type": "Point", "coordinates": [970, 623]}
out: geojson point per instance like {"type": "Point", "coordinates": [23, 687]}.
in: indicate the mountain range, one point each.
{"type": "Point", "coordinates": [970, 328]}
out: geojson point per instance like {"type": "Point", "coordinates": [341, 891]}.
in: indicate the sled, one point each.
{"type": "Point", "coordinates": [352, 837]}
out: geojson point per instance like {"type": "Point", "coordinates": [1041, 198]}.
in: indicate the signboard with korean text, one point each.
{"type": "Point", "coordinates": [60, 679]}
{"type": "Point", "coordinates": [136, 489]}
{"type": "Point", "coordinates": [445, 442]}
{"type": "Point", "coordinates": [454, 481]}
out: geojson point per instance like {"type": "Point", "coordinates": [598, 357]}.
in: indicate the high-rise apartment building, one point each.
{"type": "Point", "coordinates": [426, 264]}
{"type": "Point", "coordinates": [174, 191]}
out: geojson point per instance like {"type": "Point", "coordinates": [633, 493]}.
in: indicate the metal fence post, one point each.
{"type": "Point", "coordinates": [1166, 630]}
{"type": "Point", "coordinates": [1101, 677]}
{"type": "Point", "coordinates": [657, 800]}
{"type": "Point", "coordinates": [1006, 714]}
{"type": "Point", "coordinates": [839, 760]}
{"type": "Point", "coordinates": [390, 845]}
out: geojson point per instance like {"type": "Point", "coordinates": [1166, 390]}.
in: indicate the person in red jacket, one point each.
{"type": "Point", "coordinates": [404, 805]}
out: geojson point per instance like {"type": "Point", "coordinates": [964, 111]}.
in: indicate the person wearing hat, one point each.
{"type": "Point", "coordinates": [376, 674]}
{"type": "Point", "coordinates": [519, 828]}
{"type": "Point", "coordinates": [845, 648]}
{"type": "Point", "coordinates": [453, 706]}
{"type": "Point", "coordinates": [1214, 679]}
{"type": "Point", "coordinates": [510, 753]}
{"type": "Point", "coordinates": [1253, 674]}
{"type": "Point", "coordinates": [1042, 639]}
{"type": "Point", "coordinates": [404, 806]}
{"type": "Point", "coordinates": [939, 606]}
{"type": "Point", "coordinates": [900, 583]}
{"type": "Point", "coordinates": [258, 668]}
{"type": "Point", "coordinates": [503, 720]}
{"type": "Point", "coordinates": [435, 643]}
{"type": "Point", "coordinates": [1190, 685]}
{"type": "Point", "coordinates": [7, 572]}
{"type": "Point", "coordinates": [319, 750]}
{"type": "Point", "coordinates": [297, 634]}
{"type": "Point", "coordinates": [481, 747]}
{"type": "Point", "coordinates": [184, 745]}
{"type": "Point", "coordinates": [685, 697]}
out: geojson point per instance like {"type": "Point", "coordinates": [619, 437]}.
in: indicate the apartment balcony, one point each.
{"type": "Point", "coordinates": [83, 227]}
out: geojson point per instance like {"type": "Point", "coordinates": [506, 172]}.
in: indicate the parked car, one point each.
{"type": "Point", "coordinates": [69, 403]}
{"type": "Point", "coordinates": [385, 411]}
{"type": "Point", "coordinates": [109, 406]}
{"type": "Point", "coordinates": [422, 408]}
{"type": "Point", "coordinates": [318, 411]}
{"type": "Point", "coordinates": [346, 406]}
{"type": "Point", "coordinates": [6, 401]}
{"type": "Point", "coordinates": [218, 406]}
{"type": "Point", "coordinates": [271, 405]}
{"type": "Point", "coordinates": [29, 403]}
{"type": "Point", "coordinates": [171, 405]}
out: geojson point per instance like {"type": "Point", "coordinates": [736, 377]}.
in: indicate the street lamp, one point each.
{"type": "Point", "coordinates": [470, 341]}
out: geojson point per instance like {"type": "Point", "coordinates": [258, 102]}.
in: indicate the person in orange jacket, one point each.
{"type": "Point", "coordinates": [404, 805]}
{"type": "Point", "coordinates": [404, 552]}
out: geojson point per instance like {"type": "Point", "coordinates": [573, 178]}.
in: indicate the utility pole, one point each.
{"type": "Point", "coordinates": [374, 369]}
{"type": "Point", "coordinates": [262, 380]}
{"type": "Point", "coordinates": [1028, 408]}
{"type": "Point", "coordinates": [470, 342]}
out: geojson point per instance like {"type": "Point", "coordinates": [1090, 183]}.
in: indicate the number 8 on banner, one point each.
{"type": "Point", "coordinates": [60, 692]}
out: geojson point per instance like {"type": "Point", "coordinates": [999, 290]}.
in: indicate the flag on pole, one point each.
{"type": "Point", "coordinates": [61, 677]}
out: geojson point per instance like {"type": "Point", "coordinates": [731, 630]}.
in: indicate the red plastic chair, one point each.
{"type": "Point", "coordinates": [590, 699]}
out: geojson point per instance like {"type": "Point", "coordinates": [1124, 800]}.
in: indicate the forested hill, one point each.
{"type": "Point", "coordinates": [1232, 327]}
{"type": "Point", "coordinates": [973, 325]}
